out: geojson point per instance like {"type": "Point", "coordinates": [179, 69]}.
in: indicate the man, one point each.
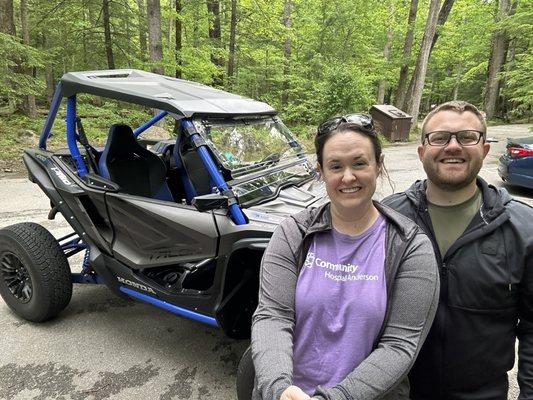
{"type": "Point", "coordinates": [483, 242]}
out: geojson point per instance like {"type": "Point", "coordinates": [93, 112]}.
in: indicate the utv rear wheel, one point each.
{"type": "Point", "coordinates": [245, 376]}
{"type": "Point", "coordinates": [35, 277]}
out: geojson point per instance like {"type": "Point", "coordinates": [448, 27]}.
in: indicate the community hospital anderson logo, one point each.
{"type": "Point", "coordinates": [338, 272]}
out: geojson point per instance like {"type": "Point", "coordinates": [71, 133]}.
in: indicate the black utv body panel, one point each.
{"type": "Point", "coordinates": [191, 242]}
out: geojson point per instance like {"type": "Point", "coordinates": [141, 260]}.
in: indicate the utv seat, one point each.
{"type": "Point", "coordinates": [192, 171]}
{"type": "Point", "coordinates": [135, 169]}
{"type": "Point", "coordinates": [196, 170]}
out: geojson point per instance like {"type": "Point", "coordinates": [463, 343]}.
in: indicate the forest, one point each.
{"type": "Point", "coordinates": [309, 59]}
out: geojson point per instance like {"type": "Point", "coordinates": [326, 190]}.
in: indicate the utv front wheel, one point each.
{"type": "Point", "coordinates": [35, 277]}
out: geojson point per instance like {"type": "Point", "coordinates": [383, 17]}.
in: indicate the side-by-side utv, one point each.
{"type": "Point", "coordinates": [180, 223]}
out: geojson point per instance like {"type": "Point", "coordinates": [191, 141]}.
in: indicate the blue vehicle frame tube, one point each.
{"type": "Point", "coordinates": [234, 209]}
{"type": "Point", "coordinates": [85, 278]}
{"type": "Point", "coordinates": [71, 136]}
{"type": "Point", "coordinates": [50, 118]}
{"type": "Point", "coordinates": [149, 123]}
{"type": "Point", "coordinates": [170, 307]}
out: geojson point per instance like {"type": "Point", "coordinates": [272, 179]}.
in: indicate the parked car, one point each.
{"type": "Point", "coordinates": [516, 165]}
{"type": "Point", "coordinates": [181, 224]}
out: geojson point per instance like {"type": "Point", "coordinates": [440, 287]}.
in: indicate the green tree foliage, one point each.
{"type": "Point", "coordinates": [14, 58]}
{"type": "Point", "coordinates": [519, 82]}
{"type": "Point", "coordinates": [459, 60]}
{"type": "Point", "coordinates": [336, 60]}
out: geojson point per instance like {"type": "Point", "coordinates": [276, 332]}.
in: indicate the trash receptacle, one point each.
{"type": "Point", "coordinates": [392, 122]}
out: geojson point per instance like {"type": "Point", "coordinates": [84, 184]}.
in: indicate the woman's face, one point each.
{"type": "Point", "coordinates": [349, 171]}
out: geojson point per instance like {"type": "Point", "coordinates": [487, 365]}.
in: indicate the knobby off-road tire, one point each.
{"type": "Point", "coordinates": [245, 376]}
{"type": "Point", "coordinates": [35, 279]}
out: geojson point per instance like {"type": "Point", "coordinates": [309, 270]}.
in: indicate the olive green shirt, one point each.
{"type": "Point", "coordinates": [449, 222]}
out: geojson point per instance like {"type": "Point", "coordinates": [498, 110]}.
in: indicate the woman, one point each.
{"type": "Point", "coordinates": [348, 291]}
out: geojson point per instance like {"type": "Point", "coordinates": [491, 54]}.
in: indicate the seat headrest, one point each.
{"type": "Point", "coordinates": [121, 139]}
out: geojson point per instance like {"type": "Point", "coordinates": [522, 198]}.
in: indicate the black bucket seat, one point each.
{"type": "Point", "coordinates": [135, 169]}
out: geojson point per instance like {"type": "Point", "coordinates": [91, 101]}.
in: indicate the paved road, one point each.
{"type": "Point", "coordinates": [104, 347]}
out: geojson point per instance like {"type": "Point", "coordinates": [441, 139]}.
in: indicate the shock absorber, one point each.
{"type": "Point", "coordinates": [85, 264]}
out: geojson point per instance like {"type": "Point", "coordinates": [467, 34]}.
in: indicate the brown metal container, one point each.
{"type": "Point", "coordinates": [391, 122]}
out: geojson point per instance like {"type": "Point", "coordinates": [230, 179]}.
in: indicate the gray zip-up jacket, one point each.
{"type": "Point", "coordinates": [412, 296]}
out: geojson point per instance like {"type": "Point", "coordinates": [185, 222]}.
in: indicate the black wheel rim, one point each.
{"type": "Point", "coordinates": [16, 277]}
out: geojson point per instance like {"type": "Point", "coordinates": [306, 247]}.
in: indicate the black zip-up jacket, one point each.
{"type": "Point", "coordinates": [486, 301]}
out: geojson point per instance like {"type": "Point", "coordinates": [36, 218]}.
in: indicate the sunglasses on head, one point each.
{"type": "Point", "coordinates": [363, 121]}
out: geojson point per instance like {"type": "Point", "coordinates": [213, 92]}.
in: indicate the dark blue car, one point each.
{"type": "Point", "coordinates": [516, 165]}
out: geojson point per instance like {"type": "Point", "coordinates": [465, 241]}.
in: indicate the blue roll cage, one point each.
{"type": "Point", "coordinates": [187, 125]}
{"type": "Point", "coordinates": [72, 243]}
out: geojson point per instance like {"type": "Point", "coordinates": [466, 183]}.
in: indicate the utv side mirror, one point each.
{"type": "Point", "coordinates": [209, 202]}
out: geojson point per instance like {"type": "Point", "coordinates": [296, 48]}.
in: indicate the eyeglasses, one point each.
{"type": "Point", "coordinates": [363, 121]}
{"type": "Point", "coordinates": [464, 138]}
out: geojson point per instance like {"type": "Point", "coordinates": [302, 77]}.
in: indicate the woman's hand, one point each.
{"type": "Point", "coordinates": [294, 393]}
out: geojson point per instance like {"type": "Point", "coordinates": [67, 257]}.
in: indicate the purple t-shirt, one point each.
{"type": "Point", "coordinates": [340, 304]}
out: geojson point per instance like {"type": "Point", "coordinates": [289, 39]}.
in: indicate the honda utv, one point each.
{"type": "Point", "coordinates": [179, 223]}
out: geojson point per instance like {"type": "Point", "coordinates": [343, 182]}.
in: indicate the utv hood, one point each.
{"type": "Point", "coordinates": [290, 200]}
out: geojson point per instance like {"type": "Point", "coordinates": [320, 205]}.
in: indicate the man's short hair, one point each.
{"type": "Point", "coordinates": [457, 106]}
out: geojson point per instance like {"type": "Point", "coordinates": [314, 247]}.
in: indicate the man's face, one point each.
{"type": "Point", "coordinates": [452, 167]}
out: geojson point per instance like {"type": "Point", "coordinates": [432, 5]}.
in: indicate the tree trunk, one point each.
{"type": "Point", "coordinates": [419, 75]}
{"type": "Point", "coordinates": [408, 44]}
{"type": "Point", "coordinates": [154, 35]}
{"type": "Point", "coordinates": [213, 7]}
{"type": "Point", "coordinates": [510, 51]}
{"type": "Point", "coordinates": [86, 21]}
{"type": "Point", "coordinates": [50, 84]}
{"type": "Point", "coordinates": [29, 101]}
{"type": "Point", "coordinates": [232, 41]}
{"type": "Point", "coordinates": [287, 50]}
{"type": "Point", "coordinates": [499, 39]}
{"type": "Point", "coordinates": [265, 87]}
{"type": "Point", "coordinates": [7, 19]}
{"type": "Point", "coordinates": [171, 23]}
{"type": "Point", "coordinates": [443, 17]}
{"type": "Point", "coordinates": [504, 105]}
{"type": "Point", "coordinates": [7, 25]}
{"type": "Point", "coordinates": [459, 74]}
{"type": "Point", "coordinates": [24, 22]}
{"type": "Point", "coordinates": [142, 29]}
{"type": "Point", "coordinates": [178, 44]}
{"type": "Point", "coordinates": [48, 72]}
{"type": "Point", "coordinates": [432, 80]}
{"type": "Point", "coordinates": [386, 55]}
{"type": "Point", "coordinates": [107, 35]}
{"type": "Point", "coordinates": [195, 24]}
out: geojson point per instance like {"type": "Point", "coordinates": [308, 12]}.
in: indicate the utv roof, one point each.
{"type": "Point", "coordinates": [173, 95]}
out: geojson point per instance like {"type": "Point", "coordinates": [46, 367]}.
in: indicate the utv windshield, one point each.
{"type": "Point", "coordinates": [261, 155]}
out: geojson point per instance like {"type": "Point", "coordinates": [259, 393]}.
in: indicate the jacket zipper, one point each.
{"type": "Point", "coordinates": [443, 298]}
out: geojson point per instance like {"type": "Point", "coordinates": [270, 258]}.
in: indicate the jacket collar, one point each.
{"type": "Point", "coordinates": [319, 220]}
{"type": "Point", "coordinates": [494, 199]}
